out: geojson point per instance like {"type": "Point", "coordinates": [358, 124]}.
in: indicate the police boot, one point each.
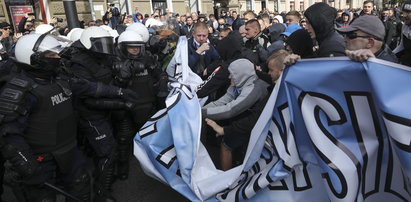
{"type": "Point", "coordinates": [103, 197]}
{"type": "Point", "coordinates": [104, 180]}
{"type": "Point", "coordinates": [125, 137]}
{"type": "Point", "coordinates": [122, 164]}
{"type": "Point", "coordinates": [122, 170]}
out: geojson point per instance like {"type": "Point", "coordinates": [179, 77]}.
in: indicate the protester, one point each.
{"type": "Point", "coordinates": [200, 53]}
{"type": "Point", "coordinates": [300, 43]}
{"type": "Point", "coordinates": [249, 15]}
{"type": "Point", "coordinates": [276, 37]}
{"type": "Point", "coordinates": [245, 93]}
{"type": "Point", "coordinates": [242, 31]}
{"type": "Point", "coordinates": [292, 17]}
{"type": "Point", "coordinates": [188, 27]}
{"type": "Point", "coordinates": [392, 28]}
{"type": "Point", "coordinates": [403, 50]}
{"type": "Point", "coordinates": [278, 19]}
{"type": "Point", "coordinates": [216, 84]}
{"type": "Point", "coordinates": [320, 24]}
{"type": "Point", "coordinates": [237, 21]}
{"type": "Point", "coordinates": [345, 20]}
{"type": "Point", "coordinates": [223, 33]}
{"type": "Point", "coordinates": [276, 65]}
{"type": "Point", "coordinates": [368, 8]}
{"type": "Point", "coordinates": [257, 42]}
{"type": "Point", "coordinates": [364, 38]}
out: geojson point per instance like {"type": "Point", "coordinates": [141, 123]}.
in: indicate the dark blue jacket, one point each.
{"type": "Point", "coordinates": [194, 57]}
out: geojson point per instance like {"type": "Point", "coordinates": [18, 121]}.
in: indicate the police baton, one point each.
{"type": "Point", "coordinates": [62, 192]}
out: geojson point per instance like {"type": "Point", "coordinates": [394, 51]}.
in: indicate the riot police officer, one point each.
{"type": "Point", "coordinates": [139, 71]}
{"type": "Point", "coordinates": [37, 120]}
{"type": "Point", "coordinates": [92, 61]}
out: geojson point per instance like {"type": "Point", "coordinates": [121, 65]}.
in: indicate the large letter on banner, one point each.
{"type": "Point", "coordinates": [332, 130]}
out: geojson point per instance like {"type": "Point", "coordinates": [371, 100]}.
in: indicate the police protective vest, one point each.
{"type": "Point", "coordinates": [52, 124]}
{"type": "Point", "coordinates": [140, 79]}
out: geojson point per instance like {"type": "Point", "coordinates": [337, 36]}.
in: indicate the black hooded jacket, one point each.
{"type": "Point", "coordinates": [301, 43]}
{"type": "Point", "coordinates": [321, 17]}
{"type": "Point", "coordinates": [276, 39]}
{"type": "Point", "coordinates": [229, 50]}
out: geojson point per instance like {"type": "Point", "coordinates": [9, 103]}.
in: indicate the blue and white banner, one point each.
{"type": "Point", "coordinates": [332, 130]}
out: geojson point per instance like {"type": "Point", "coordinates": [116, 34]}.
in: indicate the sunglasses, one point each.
{"type": "Point", "coordinates": [353, 35]}
{"type": "Point", "coordinates": [6, 28]}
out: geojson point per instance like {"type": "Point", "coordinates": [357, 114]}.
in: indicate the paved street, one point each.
{"type": "Point", "coordinates": [137, 188]}
{"type": "Point", "coordinates": [140, 187]}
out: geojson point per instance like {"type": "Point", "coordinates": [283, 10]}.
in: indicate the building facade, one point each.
{"type": "Point", "coordinates": [12, 10]}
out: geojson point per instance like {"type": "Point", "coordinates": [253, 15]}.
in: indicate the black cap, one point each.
{"type": "Point", "coordinates": [406, 6]}
{"type": "Point", "coordinates": [4, 24]}
{"type": "Point", "coordinates": [202, 16]}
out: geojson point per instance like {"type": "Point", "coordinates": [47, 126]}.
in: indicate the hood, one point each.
{"type": "Point", "coordinates": [275, 31]}
{"type": "Point", "coordinates": [347, 13]}
{"type": "Point", "coordinates": [230, 46]}
{"type": "Point", "coordinates": [321, 17]}
{"type": "Point", "coordinates": [242, 72]}
{"type": "Point", "coordinates": [301, 43]}
{"type": "Point", "coordinates": [279, 18]}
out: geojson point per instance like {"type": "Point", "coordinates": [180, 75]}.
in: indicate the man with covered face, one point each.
{"type": "Point", "coordinates": [243, 101]}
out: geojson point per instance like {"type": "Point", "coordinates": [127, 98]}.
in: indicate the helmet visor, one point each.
{"type": "Point", "coordinates": [56, 49]}
{"type": "Point", "coordinates": [135, 49]}
{"type": "Point", "coordinates": [102, 45]}
{"type": "Point", "coordinates": [46, 43]}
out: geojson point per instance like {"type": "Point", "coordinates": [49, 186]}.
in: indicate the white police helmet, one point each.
{"type": "Point", "coordinates": [131, 39]}
{"type": "Point", "coordinates": [97, 39]}
{"type": "Point", "coordinates": [30, 47]}
{"type": "Point", "coordinates": [141, 30]}
{"type": "Point", "coordinates": [75, 34]}
{"type": "Point", "coordinates": [43, 28]}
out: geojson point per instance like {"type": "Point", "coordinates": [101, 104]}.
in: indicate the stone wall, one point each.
{"type": "Point", "coordinates": [142, 5]}
{"type": "Point", "coordinates": [3, 12]}
{"type": "Point", "coordinates": [83, 9]}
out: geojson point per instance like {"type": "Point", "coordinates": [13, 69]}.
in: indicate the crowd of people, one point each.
{"type": "Point", "coordinates": [73, 96]}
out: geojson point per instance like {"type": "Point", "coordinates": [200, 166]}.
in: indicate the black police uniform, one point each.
{"type": "Point", "coordinates": [39, 125]}
{"type": "Point", "coordinates": [144, 76]}
{"type": "Point", "coordinates": [95, 123]}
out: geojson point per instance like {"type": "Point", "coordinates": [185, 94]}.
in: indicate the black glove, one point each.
{"type": "Point", "coordinates": [129, 95]}
{"type": "Point", "coordinates": [163, 85]}
{"type": "Point", "coordinates": [24, 164]}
